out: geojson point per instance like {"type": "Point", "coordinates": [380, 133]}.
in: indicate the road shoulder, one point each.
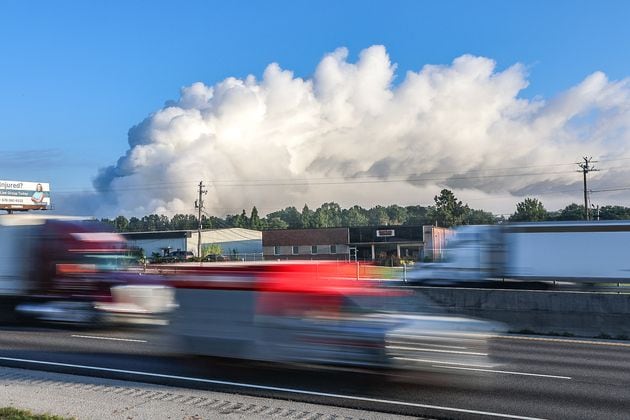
{"type": "Point", "coordinates": [84, 397]}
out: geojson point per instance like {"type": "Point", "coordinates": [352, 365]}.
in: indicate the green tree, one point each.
{"type": "Point", "coordinates": [397, 215]}
{"type": "Point", "coordinates": [378, 216]}
{"type": "Point", "coordinates": [237, 220]}
{"type": "Point", "coordinates": [275, 223]}
{"type": "Point", "coordinates": [211, 249]}
{"type": "Point", "coordinates": [354, 216]}
{"type": "Point", "coordinates": [327, 215]}
{"type": "Point", "coordinates": [135, 225]}
{"type": "Point", "coordinates": [155, 223]}
{"type": "Point", "coordinates": [241, 220]}
{"type": "Point", "coordinates": [571, 212]}
{"type": "Point", "coordinates": [418, 215]}
{"type": "Point", "coordinates": [480, 217]}
{"type": "Point", "coordinates": [449, 211]}
{"type": "Point", "coordinates": [163, 223]}
{"type": "Point", "coordinates": [121, 224]}
{"type": "Point", "coordinates": [290, 215]}
{"type": "Point", "coordinates": [612, 213]}
{"type": "Point", "coordinates": [183, 222]}
{"type": "Point", "coordinates": [307, 217]}
{"type": "Point", "coordinates": [216, 222]}
{"type": "Point", "coordinates": [254, 219]}
{"type": "Point", "coordinates": [529, 210]}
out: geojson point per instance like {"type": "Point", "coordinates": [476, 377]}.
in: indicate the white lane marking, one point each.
{"type": "Point", "coordinates": [274, 388]}
{"type": "Point", "coordinates": [436, 350]}
{"type": "Point", "coordinates": [440, 362]}
{"type": "Point", "coordinates": [431, 345]}
{"type": "Point", "coordinates": [563, 340]}
{"type": "Point", "coordinates": [506, 372]}
{"type": "Point", "coordinates": [415, 337]}
{"type": "Point", "coordinates": [96, 337]}
{"type": "Point", "coordinates": [468, 336]}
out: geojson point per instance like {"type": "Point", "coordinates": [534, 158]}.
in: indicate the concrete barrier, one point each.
{"type": "Point", "coordinates": [541, 312]}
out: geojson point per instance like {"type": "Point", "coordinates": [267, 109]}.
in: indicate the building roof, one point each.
{"type": "Point", "coordinates": [208, 235]}
{"type": "Point", "coordinates": [229, 235]}
{"type": "Point", "coordinates": [163, 234]}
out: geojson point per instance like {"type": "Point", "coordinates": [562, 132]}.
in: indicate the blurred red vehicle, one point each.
{"type": "Point", "coordinates": [314, 313]}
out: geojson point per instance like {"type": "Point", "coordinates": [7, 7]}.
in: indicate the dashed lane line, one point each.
{"type": "Point", "coordinates": [563, 340]}
{"type": "Point", "coordinates": [96, 337]}
{"type": "Point", "coordinates": [507, 372]}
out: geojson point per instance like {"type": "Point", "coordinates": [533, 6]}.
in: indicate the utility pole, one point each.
{"type": "Point", "coordinates": [199, 206]}
{"type": "Point", "coordinates": [585, 169]}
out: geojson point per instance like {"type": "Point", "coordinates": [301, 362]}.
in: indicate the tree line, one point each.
{"type": "Point", "coordinates": [446, 211]}
{"type": "Point", "coordinates": [533, 210]}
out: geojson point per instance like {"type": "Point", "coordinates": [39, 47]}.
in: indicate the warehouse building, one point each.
{"type": "Point", "coordinates": [235, 243]}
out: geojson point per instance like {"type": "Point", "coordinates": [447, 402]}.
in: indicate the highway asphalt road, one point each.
{"type": "Point", "coordinates": [538, 377]}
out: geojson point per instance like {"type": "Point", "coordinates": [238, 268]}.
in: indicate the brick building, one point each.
{"type": "Point", "coordinates": [366, 243]}
{"type": "Point", "coordinates": [310, 244]}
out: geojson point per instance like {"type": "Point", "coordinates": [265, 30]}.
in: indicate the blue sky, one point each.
{"type": "Point", "coordinates": [76, 75]}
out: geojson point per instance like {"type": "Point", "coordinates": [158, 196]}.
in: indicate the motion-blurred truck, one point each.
{"type": "Point", "coordinates": [68, 269]}
{"type": "Point", "coordinates": [572, 252]}
{"type": "Point", "coordinates": [316, 314]}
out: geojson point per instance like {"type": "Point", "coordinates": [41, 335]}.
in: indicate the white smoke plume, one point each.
{"type": "Point", "coordinates": [350, 134]}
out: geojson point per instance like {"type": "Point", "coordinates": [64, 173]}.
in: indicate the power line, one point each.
{"type": "Point", "coordinates": [363, 179]}
{"type": "Point", "coordinates": [611, 189]}
{"type": "Point", "coordinates": [405, 178]}
{"type": "Point", "coordinates": [343, 181]}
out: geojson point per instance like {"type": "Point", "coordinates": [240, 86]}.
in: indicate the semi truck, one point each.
{"type": "Point", "coordinates": [572, 252]}
{"type": "Point", "coordinates": [72, 269]}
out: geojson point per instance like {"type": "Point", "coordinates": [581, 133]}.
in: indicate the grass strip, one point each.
{"type": "Point", "coordinates": [11, 413]}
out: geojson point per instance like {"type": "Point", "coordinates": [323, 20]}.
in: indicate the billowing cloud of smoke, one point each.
{"type": "Point", "coordinates": [352, 136]}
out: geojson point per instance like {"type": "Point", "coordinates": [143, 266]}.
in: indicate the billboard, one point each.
{"type": "Point", "coordinates": [23, 195]}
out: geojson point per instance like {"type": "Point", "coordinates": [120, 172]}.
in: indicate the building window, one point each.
{"type": "Point", "coordinates": [333, 249]}
{"type": "Point", "coordinates": [295, 250]}
{"type": "Point", "coordinates": [276, 250]}
{"type": "Point", "coordinates": [314, 249]}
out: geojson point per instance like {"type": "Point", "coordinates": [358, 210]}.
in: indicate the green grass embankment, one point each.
{"type": "Point", "coordinates": [11, 413]}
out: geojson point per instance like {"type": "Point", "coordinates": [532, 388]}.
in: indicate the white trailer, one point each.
{"type": "Point", "coordinates": [579, 252]}
{"type": "Point", "coordinates": [575, 252]}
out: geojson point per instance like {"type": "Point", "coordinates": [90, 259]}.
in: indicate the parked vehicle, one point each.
{"type": "Point", "coordinates": [73, 270]}
{"type": "Point", "coordinates": [214, 258]}
{"type": "Point", "coordinates": [576, 252]}
{"type": "Point", "coordinates": [181, 255]}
